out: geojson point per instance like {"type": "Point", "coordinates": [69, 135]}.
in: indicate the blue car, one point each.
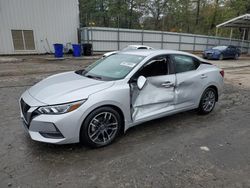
{"type": "Point", "coordinates": [222, 52]}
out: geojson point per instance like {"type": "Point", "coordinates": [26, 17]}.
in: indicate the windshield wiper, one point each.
{"type": "Point", "coordinates": [94, 77]}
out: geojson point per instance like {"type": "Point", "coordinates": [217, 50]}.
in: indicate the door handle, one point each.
{"type": "Point", "coordinates": [167, 84]}
{"type": "Point", "coordinates": [203, 76]}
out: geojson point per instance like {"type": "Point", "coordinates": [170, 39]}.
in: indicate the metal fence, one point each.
{"type": "Point", "coordinates": [109, 39]}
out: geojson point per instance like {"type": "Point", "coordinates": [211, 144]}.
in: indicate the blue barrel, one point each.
{"type": "Point", "coordinates": [77, 50]}
{"type": "Point", "coordinates": [58, 50]}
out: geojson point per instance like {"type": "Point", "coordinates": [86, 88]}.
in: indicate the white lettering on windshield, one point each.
{"type": "Point", "coordinates": [127, 64]}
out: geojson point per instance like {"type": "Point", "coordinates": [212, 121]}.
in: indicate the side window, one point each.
{"type": "Point", "coordinates": [185, 63]}
{"type": "Point", "coordinates": [156, 67]}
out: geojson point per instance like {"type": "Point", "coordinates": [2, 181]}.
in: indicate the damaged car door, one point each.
{"type": "Point", "coordinates": [189, 80]}
{"type": "Point", "coordinates": [152, 89]}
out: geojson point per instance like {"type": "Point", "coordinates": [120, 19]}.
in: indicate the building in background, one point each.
{"type": "Point", "coordinates": [33, 26]}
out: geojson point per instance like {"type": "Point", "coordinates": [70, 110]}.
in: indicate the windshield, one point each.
{"type": "Point", "coordinates": [219, 48]}
{"type": "Point", "coordinates": [113, 67]}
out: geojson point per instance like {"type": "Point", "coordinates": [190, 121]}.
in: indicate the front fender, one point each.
{"type": "Point", "coordinates": [115, 96]}
{"type": "Point", "coordinates": [217, 55]}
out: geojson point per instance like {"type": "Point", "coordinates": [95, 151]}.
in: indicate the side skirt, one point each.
{"type": "Point", "coordinates": [159, 116]}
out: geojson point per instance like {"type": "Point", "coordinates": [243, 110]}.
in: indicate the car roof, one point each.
{"type": "Point", "coordinates": [153, 52]}
{"type": "Point", "coordinates": [137, 46]}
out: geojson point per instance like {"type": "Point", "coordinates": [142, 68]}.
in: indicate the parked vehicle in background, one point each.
{"type": "Point", "coordinates": [222, 52]}
{"type": "Point", "coordinates": [129, 47]}
{"type": "Point", "coordinates": [98, 103]}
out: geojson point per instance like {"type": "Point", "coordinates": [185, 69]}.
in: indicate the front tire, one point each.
{"type": "Point", "coordinates": [221, 57]}
{"type": "Point", "coordinates": [236, 56]}
{"type": "Point", "coordinates": [101, 127]}
{"type": "Point", "coordinates": [207, 102]}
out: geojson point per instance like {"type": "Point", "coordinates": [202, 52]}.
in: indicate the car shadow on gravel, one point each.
{"type": "Point", "coordinates": [148, 130]}
{"type": "Point", "coordinates": [151, 131]}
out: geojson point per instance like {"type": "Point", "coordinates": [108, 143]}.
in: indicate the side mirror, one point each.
{"type": "Point", "coordinates": [141, 82]}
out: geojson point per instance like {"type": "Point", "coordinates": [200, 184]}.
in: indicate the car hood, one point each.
{"type": "Point", "coordinates": [212, 51]}
{"type": "Point", "coordinates": [66, 87]}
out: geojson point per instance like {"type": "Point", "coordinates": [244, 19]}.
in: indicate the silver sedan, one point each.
{"type": "Point", "coordinates": [95, 105]}
{"type": "Point", "coordinates": [129, 48]}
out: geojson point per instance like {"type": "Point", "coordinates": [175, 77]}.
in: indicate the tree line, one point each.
{"type": "Point", "coordinates": [187, 16]}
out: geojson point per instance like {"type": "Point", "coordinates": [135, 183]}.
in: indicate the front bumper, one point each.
{"type": "Point", "coordinates": [209, 55]}
{"type": "Point", "coordinates": [56, 129]}
{"type": "Point", "coordinates": [44, 133]}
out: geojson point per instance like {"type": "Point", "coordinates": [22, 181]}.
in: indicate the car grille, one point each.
{"type": "Point", "coordinates": [208, 54]}
{"type": "Point", "coordinates": [25, 107]}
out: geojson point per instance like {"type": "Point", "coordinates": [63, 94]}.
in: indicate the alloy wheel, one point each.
{"type": "Point", "coordinates": [208, 101]}
{"type": "Point", "coordinates": [103, 128]}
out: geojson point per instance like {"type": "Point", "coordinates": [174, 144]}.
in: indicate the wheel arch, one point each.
{"type": "Point", "coordinates": [210, 85]}
{"type": "Point", "coordinates": [216, 90]}
{"type": "Point", "coordinates": [119, 110]}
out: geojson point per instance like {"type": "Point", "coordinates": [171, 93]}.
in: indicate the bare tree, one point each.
{"type": "Point", "coordinates": [156, 9]}
{"type": "Point", "coordinates": [197, 12]}
{"type": "Point", "coordinates": [215, 14]}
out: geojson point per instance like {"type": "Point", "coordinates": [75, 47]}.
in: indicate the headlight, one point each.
{"type": "Point", "coordinates": [61, 108]}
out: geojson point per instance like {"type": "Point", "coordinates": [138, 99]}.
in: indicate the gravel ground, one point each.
{"type": "Point", "coordinates": [184, 150]}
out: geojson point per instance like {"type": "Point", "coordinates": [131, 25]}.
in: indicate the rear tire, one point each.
{"type": "Point", "coordinates": [101, 127]}
{"type": "Point", "coordinates": [207, 102]}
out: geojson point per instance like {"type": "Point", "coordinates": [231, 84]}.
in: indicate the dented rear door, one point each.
{"type": "Point", "coordinates": [189, 81]}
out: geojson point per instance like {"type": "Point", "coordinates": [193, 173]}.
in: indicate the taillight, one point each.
{"type": "Point", "coordinates": [222, 73]}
